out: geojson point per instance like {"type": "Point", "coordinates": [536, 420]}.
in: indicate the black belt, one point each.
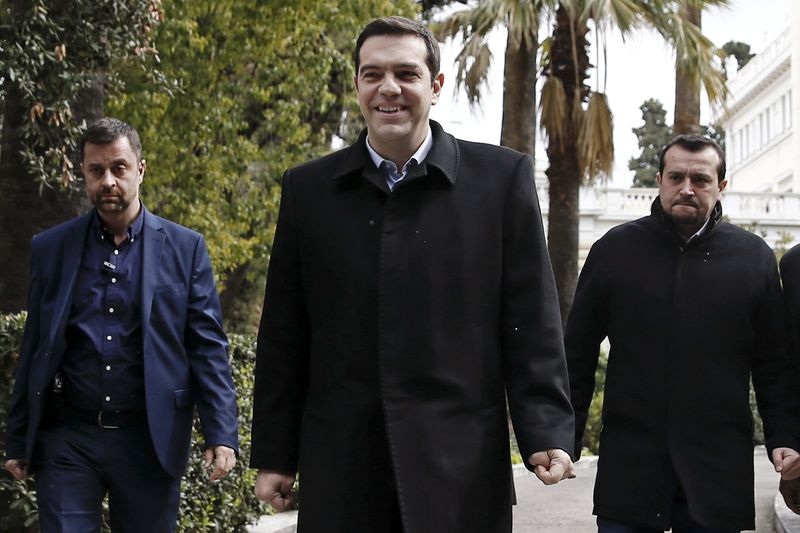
{"type": "Point", "coordinates": [103, 419]}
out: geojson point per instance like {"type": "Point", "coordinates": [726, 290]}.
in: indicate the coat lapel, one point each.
{"type": "Point", "coordinates": [444, 156]}
{"type": "Point", "coordinates": [153, 245]}
{"type": "Point", "coordinates": [71, 253]}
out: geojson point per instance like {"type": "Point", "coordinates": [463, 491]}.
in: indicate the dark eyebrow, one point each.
{"type": "Point", "coordinates": [407, 65]}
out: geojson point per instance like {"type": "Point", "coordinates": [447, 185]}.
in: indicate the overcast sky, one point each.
{"type": "Point", "coordinates": [638, 69]}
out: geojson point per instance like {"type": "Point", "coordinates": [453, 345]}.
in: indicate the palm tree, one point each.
{"type": "Point", "coordinates": [687, 77]}
{"type": "Point", "coordinates": [686, 119]}
{"type": "Point", "coordinates": [521, 19]}
{"type": "Point", "coordinates": [579, 142]}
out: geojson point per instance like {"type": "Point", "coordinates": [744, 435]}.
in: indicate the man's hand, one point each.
{"type": "Point", "coordinates": [790, 490]}
{"type": "Point", "coordinates": [275, 488]}
{"type": "Point", "coordinates": [18, 468]}
{"type": "Point", "coordinates": [224, 460]}
{"type": "Point", "coordinates": [787, 462]}
{"type": "Point", "coordinates": [551, 466]}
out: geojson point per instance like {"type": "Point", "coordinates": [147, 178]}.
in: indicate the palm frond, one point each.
{"type": "Point", "coordinates": [698, 59]}
{"type": "Point", "coordinates": [595, 139]}
{"type": "Point", "coordinates": [553, 110]}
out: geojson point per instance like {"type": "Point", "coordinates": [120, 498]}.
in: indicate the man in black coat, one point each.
{"type": "Point", "coordinates": [409, 293]}
{"type": "Point", "coordinates": [691, 306]}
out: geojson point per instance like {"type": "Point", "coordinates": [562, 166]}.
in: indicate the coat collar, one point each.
{"type": "Point", "coordinates": [666, 222]}
{"type": "Point", "coordinates": [443, 160]}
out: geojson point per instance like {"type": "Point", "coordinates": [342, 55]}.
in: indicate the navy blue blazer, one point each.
{"type": "Point", "coordinates": [183, 343]}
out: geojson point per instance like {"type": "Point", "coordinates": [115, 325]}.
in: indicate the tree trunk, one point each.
{"type": "Point", "coordinates": [24, 209]}
{"type": "Point", "coordinates": [518, 130]}
{"type": "Point", "coordinates": [687, 87]}
{"type": "Point", "coordinates": [564, 173]}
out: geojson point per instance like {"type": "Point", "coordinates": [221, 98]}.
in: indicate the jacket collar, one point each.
{"type": "Point", "coordinates": [443, 160]}
{"type": "Point", "coordinates": [666, 222]}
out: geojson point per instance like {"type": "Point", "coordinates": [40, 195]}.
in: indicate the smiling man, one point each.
{"type": "Point", "coordinates": [123, 338]}
{"type": "Point", "coordinates": [409, 295]}
{"type": "Point", "coordinates": [691, 306]}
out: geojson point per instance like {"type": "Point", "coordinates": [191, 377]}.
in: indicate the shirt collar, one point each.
{"type": "Point", "coordinates": [418, 156]}
{"type": "Point", "coordinates": [133, 230]}
{"type": "Point", "coordinates": [699, 232]}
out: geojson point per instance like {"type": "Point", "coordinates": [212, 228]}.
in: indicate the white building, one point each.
{"type": "Point", "coordinates": [763, 154]}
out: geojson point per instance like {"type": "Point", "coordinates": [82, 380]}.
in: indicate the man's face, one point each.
{"type": "Point", "coordinates": [395, 90]}
{"type": "Point", "coordinates": [688, 187]}
{"type": "Point", "coordinates": [113, 174]}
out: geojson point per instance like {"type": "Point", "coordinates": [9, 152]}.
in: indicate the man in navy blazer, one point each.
{"type": "Point", "coordinates": [123, 338]}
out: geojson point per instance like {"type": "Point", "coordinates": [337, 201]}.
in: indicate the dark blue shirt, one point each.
{"type": "Point", "coordinates": [102, 367]}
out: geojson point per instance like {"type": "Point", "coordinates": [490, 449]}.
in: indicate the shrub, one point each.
{"type": "Point", "coordinates": [226, 505]}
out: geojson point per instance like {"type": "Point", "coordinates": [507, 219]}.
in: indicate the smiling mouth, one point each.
{"type": "Point", "coordinates": [389, 109]}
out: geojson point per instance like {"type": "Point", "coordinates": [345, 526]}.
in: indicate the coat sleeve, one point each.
{"type": "Point", "coordinates": [18, 414]}
{"type": "Point", "coordinates": [282, 350]}
{"type": "Point", "coordinates": [531, 333]}
{"type": "Point", "coordinates": [207, 350]}
{"type": "Point", "coordinates": [586, 328]}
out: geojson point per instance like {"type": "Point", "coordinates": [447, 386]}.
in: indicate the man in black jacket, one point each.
{"type": "Point", "coordinates": [692, 308]}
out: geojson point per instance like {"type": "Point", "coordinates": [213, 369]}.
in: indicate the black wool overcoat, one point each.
{"type": "Point", "coordinates": [395, 324]}
{"type": "Point", "coordinates": [688, 325]}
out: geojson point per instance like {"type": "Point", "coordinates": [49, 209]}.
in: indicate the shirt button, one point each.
{"type": "Point", "coordinates": [108, 367]}
{"type": "Point", "coordinates": [113, 280]}
{"type": "Point", "coordinates": [108, 398]}
{"type": "Point", "coordinates": [108, 337]}
{"type": "Point", "coordinates": [110, 309]}
{"type": "Point", "coordinates": [116, 252]}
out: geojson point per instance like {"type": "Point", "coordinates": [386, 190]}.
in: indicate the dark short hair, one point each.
{"type": "Point", "coordinates": [695, 143]}
{"type": "Point", "coordinates": [109, 129]}
{"type": "Point", "coordinates": [401, 26]}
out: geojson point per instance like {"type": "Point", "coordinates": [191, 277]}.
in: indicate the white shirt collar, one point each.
{"type": "Point", "coordinates": [418, 156]}
{"type": "Point", "coordinates": [699, 232]}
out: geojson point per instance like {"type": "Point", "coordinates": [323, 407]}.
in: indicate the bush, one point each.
{"type": "Point", "coordinates": [226, 505]}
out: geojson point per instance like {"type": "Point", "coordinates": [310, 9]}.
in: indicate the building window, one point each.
{"type": "Point", "coordinates": [789, 106]}
{"type": "Point", "coordinates": [748, 140]}
{"type": "Point", "coordinates": [785, 112]}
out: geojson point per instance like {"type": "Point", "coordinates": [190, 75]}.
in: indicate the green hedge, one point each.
{"type": "Point", "coordinates": [227, 505]}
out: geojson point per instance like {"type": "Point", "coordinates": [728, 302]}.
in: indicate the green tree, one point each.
{"type": "Point", "coordinates": [579, 142]}
{"type": "Point", "coordinates": [653, 135]}
{"type": "Point", "coordinates": [56, 61]}
{"type": "Point", "coordinates": [739, 50]}
{"type": "Point", "coordinates": [258, 87]}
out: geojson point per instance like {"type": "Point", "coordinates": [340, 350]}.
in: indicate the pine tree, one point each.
{"type": "Point", "coordinates": [652, 135]}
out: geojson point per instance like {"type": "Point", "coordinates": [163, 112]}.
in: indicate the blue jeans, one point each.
{"type": "Point", "coordinates": [682, 522]}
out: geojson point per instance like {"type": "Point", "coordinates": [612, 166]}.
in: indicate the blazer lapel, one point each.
{"type": "Point", "coordinates": [71, 253]}
{"type": "Point", "coordinates": [153, 245]}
